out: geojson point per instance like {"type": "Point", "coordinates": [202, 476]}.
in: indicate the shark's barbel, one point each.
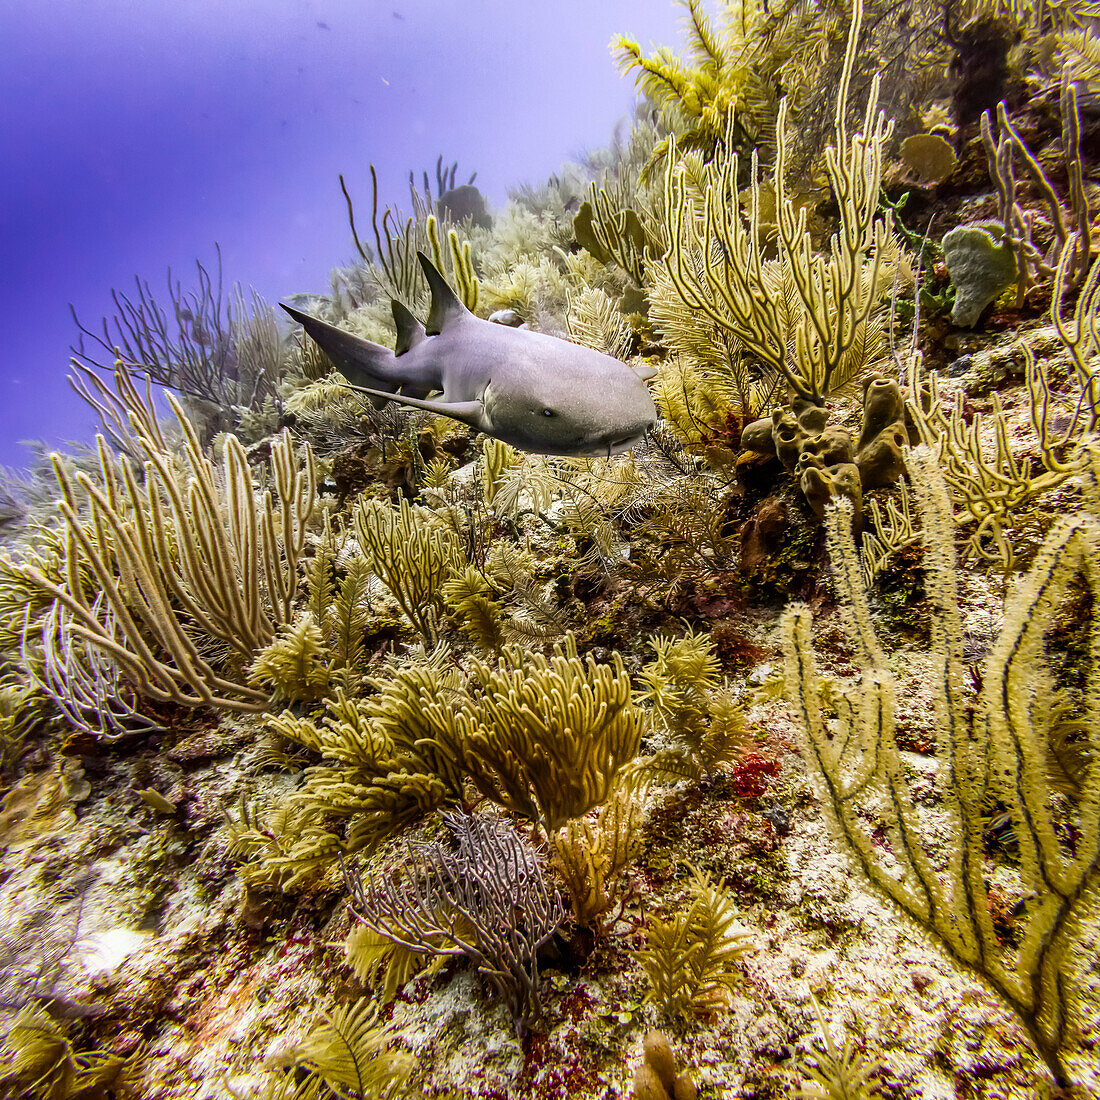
{"type": "Point", "coordinates": [531, 390]}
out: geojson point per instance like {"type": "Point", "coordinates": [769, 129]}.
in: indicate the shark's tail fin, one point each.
{"type": "Point", "coordinates": [359, 361]}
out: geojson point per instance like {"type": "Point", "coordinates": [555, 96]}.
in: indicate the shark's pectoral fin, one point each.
{"type": "Point", "coordinates": [467, 412]}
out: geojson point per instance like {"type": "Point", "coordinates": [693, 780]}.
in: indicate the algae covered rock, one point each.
{"type": "Point", "coordinates": [982, 266]}
{"type": "Point", "coordinates": [762, 534]}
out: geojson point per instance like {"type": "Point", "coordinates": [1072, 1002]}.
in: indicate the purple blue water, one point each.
{"type": "Point", "coordinates": [134, 134]}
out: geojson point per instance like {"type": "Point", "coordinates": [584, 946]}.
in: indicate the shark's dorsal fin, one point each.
{"type": "Point", "coordinates": [446, 307]}
{"type": "Point", "coordinates": [409, 330]}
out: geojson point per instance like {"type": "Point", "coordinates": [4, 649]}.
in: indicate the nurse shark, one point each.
{"type": "Point", "coordinates": [534, 391]}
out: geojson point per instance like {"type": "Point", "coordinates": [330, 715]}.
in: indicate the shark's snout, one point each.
{"type": "Point", "coordinates": [623, 437]}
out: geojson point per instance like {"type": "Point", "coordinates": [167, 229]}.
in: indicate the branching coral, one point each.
{"type": "Point", "coordinates": [397, 244]}
{"type": "Point", "coordinates": [385, 966]}
{"type": "Point", "coordinates": [22, 711]}
{"type": "Point", "coordinates": [989, 489]}
{"type": "Point", "coordinates": [994, 745]}
{"type": "Point", "coordinates": [890, 529]}
{"type": "Point", "coordinates": [42, 1063]}
{"type": "Point", "coordinates": [806, 312]}
{"type": "Point", "coordinates": [21, 600]}
{"type": "Point", "coordinates": [609, 227]}
{"type": "Point", "coordinates": [84, 682]}
{"type": "Point", "coordinates": [225, 351]}
{"type": "Point", "coordinates": [325, 645]}
{"type": "Point", "coordinates": [690, 959]}
{"type": "Point", "coordinates": [497, 459]}
{"type": "Point", "coordinates": [722, 94]}
{"type": "Point", "coordinates": [709, 387]}
{"type": "Point", "coordinates": [470, 597]}
{"type": "Point", "coordinates": [482, 896]}
{"type": "Point", "coordinates": [498, 597]}
{"type": "Point", "coordinates": [343, 610]}
{"type": "Point", "coordinates": [834, 1072]}
{"type": "Point", "coordinates": [412, 555]}
{"type": "Point", "coordinates": [591, 855]}
{"type": "Point", "coordinates": [267, 840]}
{"type": "Point", "coordinates": [678, 519]}
{"type": "Point", "coordinates": [292, 666]}
{"type": "Point", "coordinates": [1033, 263]}
{"type": "Point", "coordinates": [329, 414]}
{"type": "Point", "coordinates": [535, 616]}
{"type": "Point", "coordinates": [542, 737]}
{"type": "Point", "coordinates": [390, 758]}
{"type": "Point", "coordinates": [348, 1056]}
{"type": "Point", "coordinates": [1079, 51]}
{"type": "Point", "coordinates": [188, 551]}
{"type": "Point", "coordinates": [596, 321]}
{"type": "Point", "coordinates": [693, 703]}
{"type": "Point", "coordinates": [548, 735]}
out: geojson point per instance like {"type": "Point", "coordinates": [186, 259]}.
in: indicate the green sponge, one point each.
{"type": "Point", "coordinates": [981, 265]}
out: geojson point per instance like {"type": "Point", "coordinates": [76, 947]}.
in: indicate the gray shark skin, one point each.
{"type": "Point", "coordinates": [534, 391]}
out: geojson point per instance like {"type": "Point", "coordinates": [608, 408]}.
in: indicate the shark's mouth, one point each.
{"type": "Point", "coordinates": [617, 445]}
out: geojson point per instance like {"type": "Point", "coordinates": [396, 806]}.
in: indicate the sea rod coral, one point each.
{"type": "Point", "coordinates": [995, 744]}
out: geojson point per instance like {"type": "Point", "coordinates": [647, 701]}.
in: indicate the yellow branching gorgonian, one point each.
{"type": "Point", "coordinates": [548, 735]}
{"type": "Point", "coordinates": [997, 744]}
{"type": "Point", "coordinates": [411, 555]}
{"type": "Point", "coordinates": [808, 315]}
{"type": "Point", "coordinates": [180, 549]}
{"type": "Point", "coordinates": [724, 82]}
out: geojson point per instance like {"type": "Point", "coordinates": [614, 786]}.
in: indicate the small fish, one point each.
{"type": "Point", "coordinates": [534, 391]}
{"type": "Point", "coordinates": [157, 801]}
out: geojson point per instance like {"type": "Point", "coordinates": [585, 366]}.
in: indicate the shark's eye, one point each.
{"type": "Point", "coordinates": [548, 412]}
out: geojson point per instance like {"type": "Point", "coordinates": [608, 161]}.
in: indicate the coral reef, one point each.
{"type": "Point", "coordinates": [347, 752]}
